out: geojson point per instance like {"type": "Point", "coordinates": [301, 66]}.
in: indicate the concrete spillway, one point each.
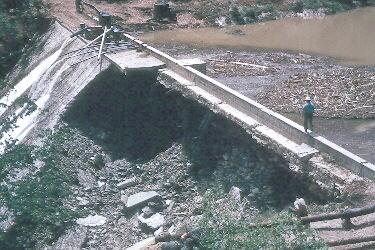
{"type": "Point", "coordinates": [54, 79]}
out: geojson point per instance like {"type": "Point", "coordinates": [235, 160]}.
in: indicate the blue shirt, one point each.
{"type": "Point", "coordinates": [308, 108]}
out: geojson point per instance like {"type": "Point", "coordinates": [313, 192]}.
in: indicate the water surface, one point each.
{"type": "Point", "coordinates": [347, 36]}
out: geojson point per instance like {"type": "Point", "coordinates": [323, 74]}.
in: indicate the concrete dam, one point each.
{"type": "Point", "coordinates": [183, 78]}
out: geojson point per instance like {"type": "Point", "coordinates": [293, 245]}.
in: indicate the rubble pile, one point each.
{"type": "Point", "coordinates": [341, 92]}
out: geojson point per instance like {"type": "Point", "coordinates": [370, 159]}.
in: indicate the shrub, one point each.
{"type": "Point", "coordinates": [223, 228]}
{"type": "Point", "coordinates": [251, 14]}
{"type": "Point", "coordinates": [19, 21]}
{"type": "Point", "coordinates": [38, 201]}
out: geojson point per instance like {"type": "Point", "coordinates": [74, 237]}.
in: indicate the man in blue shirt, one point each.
{"type": "Point", "coordinates": [308, 111]}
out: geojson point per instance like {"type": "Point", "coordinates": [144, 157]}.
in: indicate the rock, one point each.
{"type": "Point", "coordinates": [98, 161]}
{"type": "Point", "coordinates": [171, 245]}
{"type": "Point", "coordinates": [170, 205]}
{"type": "Point", "coordinates": [172, 230]}
{"type": "Point", "coordinates": [6, 218]}
{"type": "Point", "coordinates": [92, 221]}
{"type": "Point", "coordinates": [235, 194]}
{"type": "Point", "coordinates": [154, 222]}
{"type": "Point", "coordinates": [127, 183]}
{"type": "Point", "coordinates": [163, 237]}
{"type": "Point", "coordinates": [158, 232]}
{"type": "Point", "coordinates": [86, 179]}
{"type": "Point", "coordinates": [124, 198]}
{"type": "Point", "coordinates": [72, 239]}
{"type": "Point", "coordinates": [147, 212]}
{"type": "Point", "coordinates": [141, 198]}
{"type": "Point", "coordinates": [82, 202]}
{"type": "Point", "coordinates": [142, 244]}
{"type": "Point", "coordinates": [156, 206]}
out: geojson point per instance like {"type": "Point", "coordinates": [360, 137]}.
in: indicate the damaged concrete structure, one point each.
{"type": "Point", "coordinates": [309, 153]}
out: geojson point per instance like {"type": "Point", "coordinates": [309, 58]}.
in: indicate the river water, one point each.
{"type": "Point", "coordinates": [348, 36]}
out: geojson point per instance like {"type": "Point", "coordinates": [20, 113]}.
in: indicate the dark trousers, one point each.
{"type": "Point", "coordinates": [307, 121]}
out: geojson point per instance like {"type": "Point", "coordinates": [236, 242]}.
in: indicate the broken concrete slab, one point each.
{"type": "Point", "coordinates": [127, 183]}
{"type": "Point", "coordinates": [92, 221]}
{"type": "Point", "coordinates": [141, 198]}
{"type": "Point", "coordinates": [154, 222]}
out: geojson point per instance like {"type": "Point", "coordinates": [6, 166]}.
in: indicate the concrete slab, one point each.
{"type": "Point", "coordinates": [132, 60]}
{"type": "Point", "coordinates": [141, 198]}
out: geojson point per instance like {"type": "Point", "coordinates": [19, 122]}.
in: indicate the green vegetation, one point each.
{"type": "Point", "coordinates": [265, 11]}
{"type": "Point", "coordinates": [252, 14]}
{"type": "Point", "coordinates": [225, 226]}
{"type": "Point", "coordinates": [20, 20]}
{"type": "Point", "coordinates": [329, 6]}
{"type": "Point", "coordinates": [38, 201]}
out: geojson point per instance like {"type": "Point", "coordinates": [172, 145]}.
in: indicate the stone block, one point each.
{"type": "Point", "coordinates": [127, 183]}
{"type": "Point", "coordinates": [139, 199]}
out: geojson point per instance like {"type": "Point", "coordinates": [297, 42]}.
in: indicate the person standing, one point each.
{"type": "Point", "coordinates": [308, 111]}
{"type": "Point", "coordinates": [79, 6]}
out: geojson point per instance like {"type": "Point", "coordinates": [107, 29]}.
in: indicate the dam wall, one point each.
{"type": "Point", "coordinates": [262, 115]}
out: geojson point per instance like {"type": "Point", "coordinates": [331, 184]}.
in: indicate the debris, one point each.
{"type": "Point", "coordinates": [142, 244]}
{"type": "Point", "coordinates": [127, 183]}
{"type": "Point", "coordinates": [154, 222]}
{"type": "Point", "coordinates": [141, 198]}
{"type": "Point", "coordinates": [158, 232]}
{"type": "Point", "coordinates": [235, 194]}
{"type": "Point", "coordinates": [92, 221]}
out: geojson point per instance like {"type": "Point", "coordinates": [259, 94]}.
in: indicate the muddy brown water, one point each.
{"type": "Point", "coordinates": [349, 36]}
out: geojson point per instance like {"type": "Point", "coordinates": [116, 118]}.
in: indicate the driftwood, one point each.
{"type": "Point", "coordinates": [351, 241]}
{"type": "Point", "coordinates": [346, 214]}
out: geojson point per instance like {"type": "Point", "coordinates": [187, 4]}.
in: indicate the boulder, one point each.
{"type": "Point", "coordinates": [127, 183]}
{"type": "Point", "coordinates": [235, 194]}
{"type": "Point", "coordinates": [92, 221]}
{"type": "Point", "coordinates": [154, 222]}
{"type": "Point", "coordinates": [141, 198]}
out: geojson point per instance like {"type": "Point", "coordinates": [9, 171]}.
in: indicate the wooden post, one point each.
{"type": "Point", "coordinates": [351, 241]}
{"type": "Point", "coordinates": [346, 214]}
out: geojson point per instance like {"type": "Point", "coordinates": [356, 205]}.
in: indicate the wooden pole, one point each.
{"type": "Point", "coordinates": [346, 214]}
{"type": "Point", "coordinates": [351, 241]}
